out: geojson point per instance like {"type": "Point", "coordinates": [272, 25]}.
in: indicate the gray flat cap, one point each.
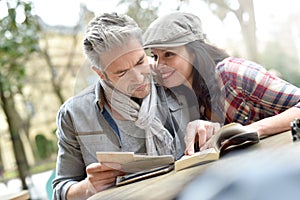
{"type": "Point", "coordinates": [175, 29]}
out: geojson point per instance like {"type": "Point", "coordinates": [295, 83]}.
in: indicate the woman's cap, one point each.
{"type": "Point", "coordinates": [171, 30]}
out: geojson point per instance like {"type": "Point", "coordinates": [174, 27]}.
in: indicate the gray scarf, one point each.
{"type": "Point", "coordinates": [158, 139]}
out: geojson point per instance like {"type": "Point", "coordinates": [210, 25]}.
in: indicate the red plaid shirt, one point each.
{"type": "Point", "coordinates": [252, 93]}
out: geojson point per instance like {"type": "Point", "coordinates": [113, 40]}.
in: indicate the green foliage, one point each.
{"type": "Point", "coordinates": [19, 39]}
{"type": "Point", "coordinates": [142, 11]}
{"type": "Point", "coordinates": [44, 146]}
{"type": "Point", "coordinates": [274, 57]}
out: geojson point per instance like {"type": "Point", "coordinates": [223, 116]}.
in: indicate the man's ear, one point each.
{"type": "Point", "coordinates": [99, 72]}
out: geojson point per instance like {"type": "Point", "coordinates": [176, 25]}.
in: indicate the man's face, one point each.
{"type": "Point", "coordinates": [127, 69]}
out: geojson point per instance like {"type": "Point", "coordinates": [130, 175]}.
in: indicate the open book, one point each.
{"type": "Point", "coordinates": [132, 163]}
{"type": "Point", "coordinates": [227, 138]}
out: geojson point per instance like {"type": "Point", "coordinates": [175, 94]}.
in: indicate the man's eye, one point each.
{"type": "Point", "coordinates": [121, 74]}
{"type": "Point", "coordinates": [141, 62]}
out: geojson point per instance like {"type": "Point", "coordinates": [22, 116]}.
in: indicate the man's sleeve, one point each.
{"type": "Point", "coordinates": [70, 167]}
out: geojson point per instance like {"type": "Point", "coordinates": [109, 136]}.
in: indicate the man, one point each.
{"type": "Point", "coordinates": [124, 111]}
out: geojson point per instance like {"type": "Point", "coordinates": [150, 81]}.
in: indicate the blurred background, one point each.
{"type": "Point", "coordinates": [42, 65]}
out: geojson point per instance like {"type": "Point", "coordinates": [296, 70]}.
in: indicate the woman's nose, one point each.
{"type": "Point", "coordinates": [161, 63]}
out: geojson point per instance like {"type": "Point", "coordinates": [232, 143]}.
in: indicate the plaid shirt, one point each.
{"type": "Point", "coordinates": [252, 93]}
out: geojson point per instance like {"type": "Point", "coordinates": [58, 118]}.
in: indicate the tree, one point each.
{"type": "Point", "coordinates": [142, 11]}
{"type": "Point", "coordinates": [244, 12]}
{"type": "Point", "coordinates": [59, 70]}
{"type": "Point", "coordinates": [18, 41]}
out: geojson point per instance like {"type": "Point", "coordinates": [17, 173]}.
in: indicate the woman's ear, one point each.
{"type": "Point", "coordinates": [99, 72]}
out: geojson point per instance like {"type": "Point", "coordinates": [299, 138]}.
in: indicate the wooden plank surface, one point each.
{"type": "Point", "coordinates": [22, 195]}
{"type": "Point", "coordinates": [168, 186]}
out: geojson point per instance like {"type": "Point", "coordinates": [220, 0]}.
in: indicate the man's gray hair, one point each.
{"type": "Point", "coordinates": [108, 31]}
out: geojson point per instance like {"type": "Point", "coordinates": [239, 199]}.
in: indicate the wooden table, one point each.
{"type": "Point", "coordinates": [22, 195]}
{"type": "Point", "coordinates": [169, 185]}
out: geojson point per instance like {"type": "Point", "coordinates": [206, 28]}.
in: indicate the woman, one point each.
{"type": "Point", "coordinates": [228, 89]}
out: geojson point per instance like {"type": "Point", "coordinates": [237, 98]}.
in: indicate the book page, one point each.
{"type": "Point", "coordinates": [197, 158]}
{"type": "Point", "coordinates": [201, 154]}
{"type": "Point", "coordinates": [134, 163]}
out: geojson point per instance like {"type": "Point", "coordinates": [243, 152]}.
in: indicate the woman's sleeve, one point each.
{"type": "Point", "coordinates": [268, 90]}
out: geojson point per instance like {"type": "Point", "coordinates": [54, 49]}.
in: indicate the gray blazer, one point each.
{"type": "Point", "coordinates": [84, 127]}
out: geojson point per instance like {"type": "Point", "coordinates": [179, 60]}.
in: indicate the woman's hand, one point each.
{"type": "Point", "coordinates": [199, 132]}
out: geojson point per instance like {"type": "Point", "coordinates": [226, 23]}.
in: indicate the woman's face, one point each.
{"type": "Point", "coordinates": [173, 66]}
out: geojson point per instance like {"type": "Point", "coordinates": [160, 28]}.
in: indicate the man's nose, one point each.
{"type": "Point", "coordinates": [137, 74]}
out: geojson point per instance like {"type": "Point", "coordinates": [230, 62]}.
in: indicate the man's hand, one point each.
{"type": "Point", "coordinates": [100, 176]}
{"type": "Point", "coordinates": [199, 131]}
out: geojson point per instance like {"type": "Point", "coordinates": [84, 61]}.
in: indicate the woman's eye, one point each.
{"type": "Point", "coordinates": [169, 54]}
